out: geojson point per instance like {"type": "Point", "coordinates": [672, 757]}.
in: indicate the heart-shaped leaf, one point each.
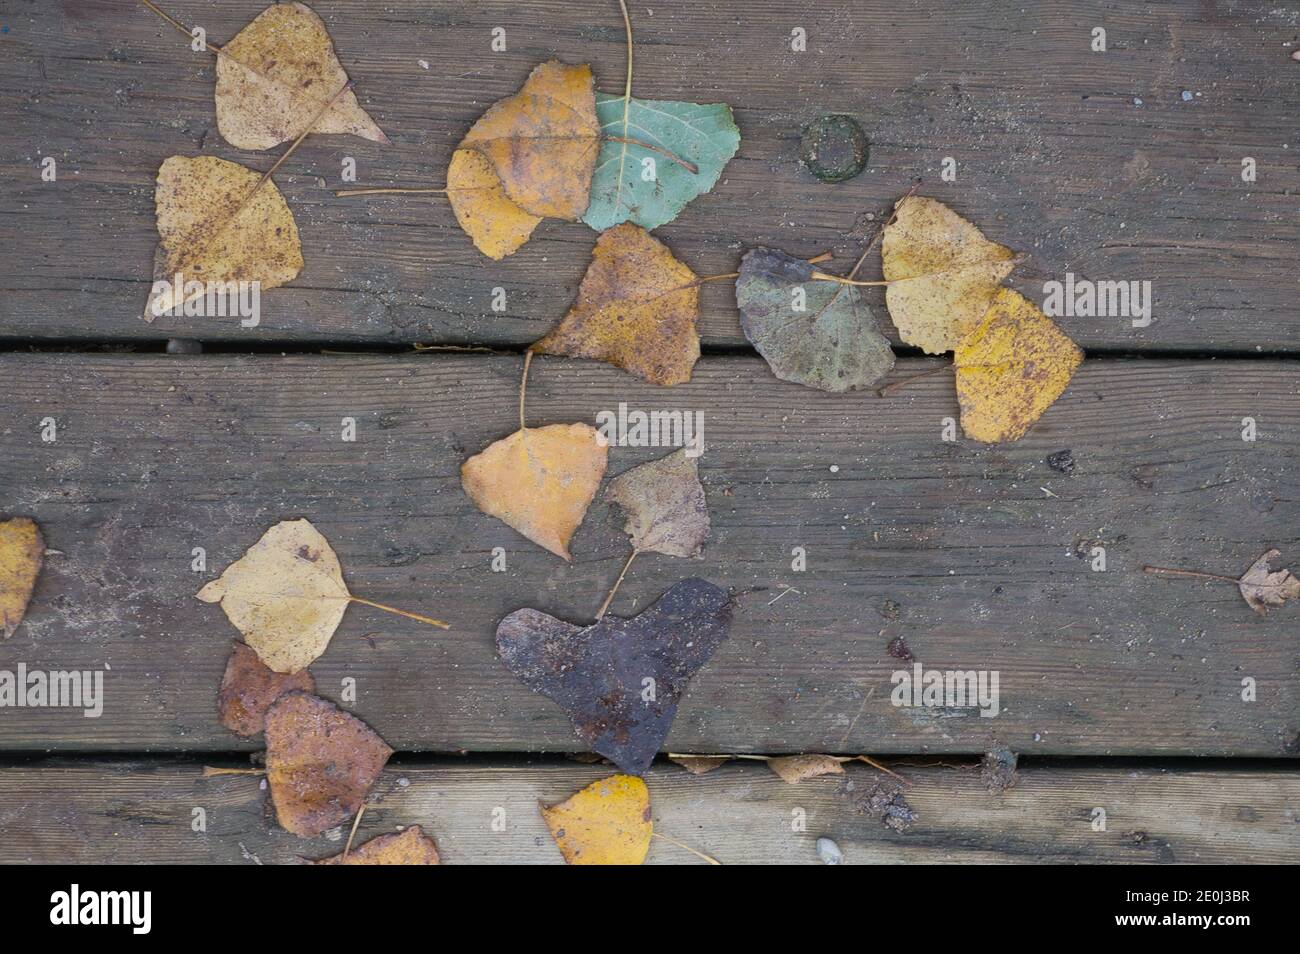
{"type": "Point", "coordinates": [665, 506]}
{"type": "Point", "coordinates": [606, 823]}
{"type": "Point", "coordinates": [248, 688]}
{"type": "Point", "coordinates": [620, 680]}
{"type": "Point", "coordinates": [657, 156]}
{"type": "Point", "coordinates": [820, 334]}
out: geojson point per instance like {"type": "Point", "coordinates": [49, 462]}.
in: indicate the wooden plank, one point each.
{"type": "Point", "coordinates": [979, 556]}
{"type": "Point", "coordinates": [139, 812]}
{"type": "Point", "coordinates": [1091, 162]}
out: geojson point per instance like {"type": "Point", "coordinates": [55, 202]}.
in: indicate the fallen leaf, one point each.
{"type": "Point", "coordinates": [607, 823]}
{"type": "Point", "coordinates": [21, 552]}
{"type": "Point", "coordinates": [248, 688]}
{"type": "Point", "coordinates": [537, 150]}
{"type": "Point", "coordinates": [539, 480]}
{"type": "Point", "coordinates": [943, 272]}
{"type": "Point", "coordinates": [275, 77]}
{"type": "Point", "coordinates": [816, 333]}
{"type": "Point", "coordinates": [677, 153]}
{"type": "Point", "coordinates": [1262, 587]}
{"type": "Point", "coordinates": [1011, 368]}
{"type": "Point", "coordinates": [598, 674]}
{"type": "Point", "coordinates": [699, 764]}
{"type": "Point", "coordinates": [320, 762]}
{"type": "Point", "coordinates": [796, 768]}
{"type": "Point", "coordinates": [636, 309]}
{"type": "Point", "coordinates": [998, 770]}
{"type": "Point", "coordinates": [665, 506]}
{"type": "Point", "coordinates": [215, 224]}
{"type": "Point", "coordinates": [285, 594]}
{"type": "Point", "coordinates": [411, 846]}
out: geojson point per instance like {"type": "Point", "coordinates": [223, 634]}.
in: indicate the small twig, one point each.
{"type": "Point", "coordinates": [390, 191]}
{"type": "Point", "coordinates": [353, 833]}
{"type": "Point", "coordinates": [699, 854]}
{"type": "Point", "coordinates": [600, 613]}
{"type": "Point", "coordinates": [209, 771]}
{"type": "Point", "coordinates": [823, 277]}
{"type": "Point", "coordinates": [523, 387]}
{"type": "Point", "coordinates": [889, 389]}
{"type": "Point", "coordinates": [397, 612]}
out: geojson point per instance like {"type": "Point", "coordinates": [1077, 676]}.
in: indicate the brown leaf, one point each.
{"type": "Point", "coordinates": [276, 76]}
{"type": "Point", "coordinates": [216, 225]}
{"type": "Point", "coordinates": [320, 762]}
{"type": "Point", "coordinates": [530, 156]}
{"type": "Point", "coordinates": [699, 764]}
{"type": "Point", "coordinates": [22, 551]}
{"type": "Point", "coordinates": [1262, 587]}
{"type": "Point", "coordinates": [539, 480]}
{"type": "Point", "coordinates": [248, 688]}
{"type": "Point", "coordinates": [636, 309]}
{"type": "Point", "coordinates": [796, 768]}
{"type": "Point", "coordinates": [664, 501]}
{"type": "Point", "coordinates": [285, 594]}
{"type": "Point", "coordinates": [943, 273]}
{"type": "Point", "coordinates": [410, 846]}
{"type": "Point", "coordinates": [598, 674]}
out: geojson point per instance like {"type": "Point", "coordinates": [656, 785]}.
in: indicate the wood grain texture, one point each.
{"type": "Point", "coordinates": [139, 812]}
{"type": "Point", "coordinates": [978, 556]}
{"type": "Point", "coordinates": [1091, 162]}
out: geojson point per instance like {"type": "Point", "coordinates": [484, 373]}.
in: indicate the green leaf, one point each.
{"type": "Point", "coordinates": [704, 136]}
{"type": "Point", "coordinates": [832, 344]}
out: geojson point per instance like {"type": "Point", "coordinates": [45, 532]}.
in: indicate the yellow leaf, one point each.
{"type": "Point", "coordinates": [636, 309]}
{"type": "Point", "coordinates": [286, 595]}
{"type": "Point", "coordinates": [539, 480]}
{"type": "Point", "coordinates": [944, 273]}
{"type": "Point", "coordinates": [213, 227]}
{"type": "Point", "coordinates": [408, 847]}
{"type": "Point", "coordinates": [275, 77]}
{"type": "Point", "coordinates": [1011, 368]}
{"type": "Point", "coordinates": [539, 147]}
{"type": "Point", "coordinates": [21, 553]}
{"type": "Point", "coordinates": [607, 823]}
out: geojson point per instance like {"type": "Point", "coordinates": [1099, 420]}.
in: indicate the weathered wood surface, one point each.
{"type": "Point", "coordinates": [137, 812]}
{"type": "Point", "coordinates": [978, 556]}
{"type": "Point", "coordinates": [1055, 155]}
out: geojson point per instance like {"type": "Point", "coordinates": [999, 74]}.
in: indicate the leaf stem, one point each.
{"type": "Point", "coordinates": [600, 613]}
{"type": "Point", "coordinates": [397, 612]}
{"type": "Point", "coordinates": [353, 833]}
{"type": "Point", "coordinates": [1193, 574]}
{"type": "Point", "coordinates": [391, 191]}
{"type": "Point", "coordinates": [690, 167]}
{"type": "Point", "coordinates": [685, 847]}
{"type": "Point", "coordinates": [209, 771]}
{"type": "Point", "coordinates": [889, 389]}
{"type": "Point", "coordinates": [523, 387]}
{"type": "Point", "coordinates": [824, 277]}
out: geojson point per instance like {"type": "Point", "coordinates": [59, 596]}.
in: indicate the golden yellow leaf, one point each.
{"type": "Point", "coordinates": [607, 823]}
{"type": "Point", "coordinates": [275, 77]}
{"type": "Point", "coordinates": [1011, 368]}
{"type": "Point", "coordinates": [539, 480]}
{"type": "Point", "coordinates": [411, 846]}
{"type": "Point", "coordinates": [214, 228]}
{"type": "Point", "coordinates": [539, 148]}
{"type": "Point", "coordinates": [497, 226]}
{"type": "Point", "coordinates": [636, 309]}
{"type": "Point", "coordinates": [286, 595]}
{"type": "Point", "coordinates": [944, 273]}
{"type": "Point", "coordinates": [21, 553]}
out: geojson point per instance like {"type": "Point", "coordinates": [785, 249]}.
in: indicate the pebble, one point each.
{"type": "Point", "coordinates": [829, 852]}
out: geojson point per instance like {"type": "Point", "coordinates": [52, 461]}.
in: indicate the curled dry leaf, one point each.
{"type": "Point", "coordinates": [607, 823]}
{"type": "Point", "coordinates": [943, 273]}
{"type": "Point", "coordinates": [321, 762]}
{"type": "Point", "coordinates": [636, 309]}
{"type": "Point", "coordinates": [1011, 368]}
{"type": "Point", "coordinates": [275, 77]}
{"type": "Point", "coordinates": [285, 594]}
{"type": "Point", "coordinates": [657, 157]}
{"type": "Point", "coordinates": [411, 846]}
{"type": "Point", "coordinates": [248, 688]}
{"type": "Point", "coordinates": [796, 768]}
{"type": "Point", "coordinates": [699, 764]}
{"type": "Point", "coordinates": [539, 480]}
{"type": "Point", "coordinates": [1262, 587]}
{"type": "Point", "coordinates": [665, 506]}
{"type": "Point", "coordinates": [816, 333]}
{"type": "Point", "coordinates": [529, 157]}
{"type": "Point", "coordinates": [21, 552]}
{"type": "Point", "coordinates": [597, 674]}
{"type": "Point", "coordinates": [218, 222]}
